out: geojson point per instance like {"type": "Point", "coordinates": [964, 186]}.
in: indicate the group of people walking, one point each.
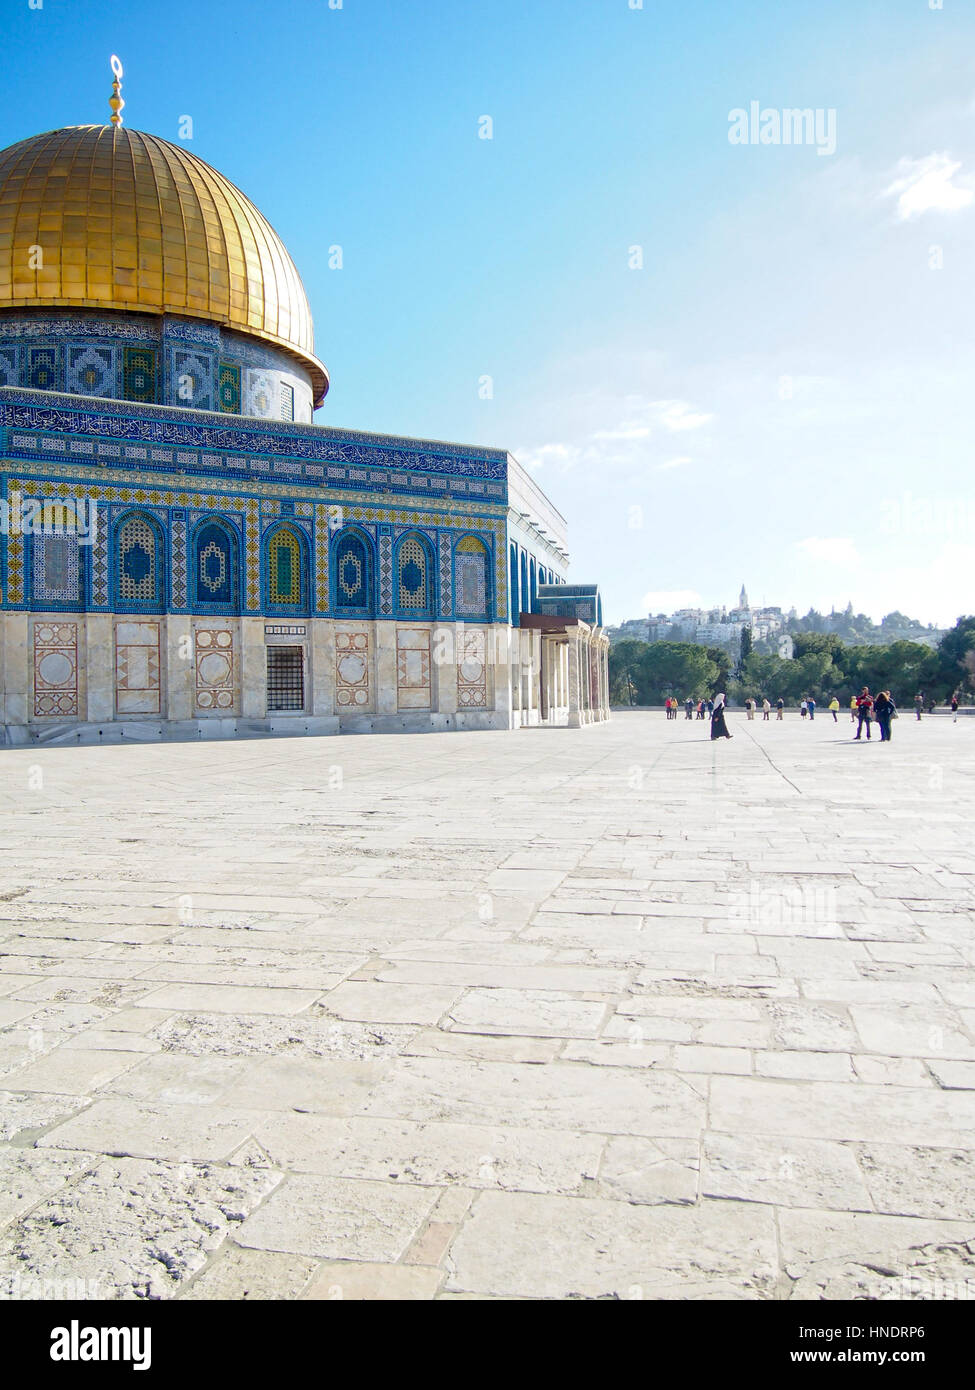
{"type": "Point", "coordinates": [865, 710]}
{"type": "Point", "coordinates": [700, 708]}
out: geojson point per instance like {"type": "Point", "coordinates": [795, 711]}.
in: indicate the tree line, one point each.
{"type": "Point", "coordinates": [822, 665]}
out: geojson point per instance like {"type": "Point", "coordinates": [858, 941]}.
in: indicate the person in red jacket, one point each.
{"type": "Point", "coordinates": [864, 711]}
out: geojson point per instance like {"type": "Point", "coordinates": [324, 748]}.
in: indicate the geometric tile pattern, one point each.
{"type": "Point", "coordinates": [445, 580]}
{"type": "Point", "coordinates": [91, 371]}
{"type": "Point", "coordinates": [56, 669]}
{"type": "Point", "coordinates": [99, 561]}
{"type": "Point", "coordinates": [215, 565]}
{"type": "Point", "coordinates": [259, 394]}
{"type": "Point", "coordinates": [413, 685]}
{"type": "Point", "coordinates": [132, 486]}
{"type": "Point", "coordinates": [385, 572]}
{"type": "Point", "coordinates": [56, 569]}
{"type": "Point", "coordinates": [215, 670]}
{"type": "Point", "coordinates": [252, 553]}
{"type": "Point", "coordinates": [352, 588]}
{"type": "Point", "coordinates": [177, 570]}
{"type": "Point", "coordinates": [138, 562]}
{"type": "Point", "coordinates": [228, 388]}
{"type": "Point", "coordinates": [192, 374]}
{"type": "Point", "coordinates": [321, 558]}
{"type": "Point", "coordinates": [352, 670]}
{"type": "Point", "coordinates": [139, 374]}
{"type": "Point", "coordinates": [42, 366]}
{"type": "Point", "coordinates": [472, 670]}
{"type": "Point", "coordinates": [284, 567]}
{"type": "Point", "coordinates": [137, 685]}
{"type": "Point", "coordinates": [471, 575]}
{"type": "Point", "coordinates": [412, 573]}
{"type": "Point", "coordinates": [15, 569]}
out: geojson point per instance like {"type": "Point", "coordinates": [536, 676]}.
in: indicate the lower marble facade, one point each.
{"type": "Point", "coordinates": [104, 676]}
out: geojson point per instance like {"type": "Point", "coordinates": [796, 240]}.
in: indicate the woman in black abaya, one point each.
{"type": "Point", "coordinates": [719, 729]}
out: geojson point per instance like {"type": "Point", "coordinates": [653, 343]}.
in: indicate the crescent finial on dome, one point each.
{"type": "Point", "coordinates": [115, 100]}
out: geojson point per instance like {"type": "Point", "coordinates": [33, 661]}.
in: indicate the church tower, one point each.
{"type": "Point", "coordinates": [743, 598]}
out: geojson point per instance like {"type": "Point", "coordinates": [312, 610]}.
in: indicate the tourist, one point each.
{"type": "Point", "coordinates": [750, 707]}
{"type": "Point", "coordinates": [719, 729]}
{"type": "Point", "coordinates": [885, 710]}
{"type": "Point", "coordinates": [864, 711]}
{"type": "Point", "coordinates": [853, 708]}
{"type": "Point", "coordinates": [803, 709]}
{"type": "Point", "coordinates": [918, 705]}
{"type": "Point", "coordinates": [779, 708]}
{"type": "Point", "coordinates": [834, 708]}
{"type": "Point", "coordinates": [811, 706]}
{"type": "Point", "coordinates": [954, 706]}
{"type": "Point", "coordinates": [689, 708]}
{"type": "Point", "coordinates": [766, 707]}
{"type": "Point", "coordinates": [700, 709]}
{"type": "Point", "coordinates": [711, 707]}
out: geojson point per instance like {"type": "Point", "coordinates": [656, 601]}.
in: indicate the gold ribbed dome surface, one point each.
{"type": "Point", "coordinates": [127, 221]}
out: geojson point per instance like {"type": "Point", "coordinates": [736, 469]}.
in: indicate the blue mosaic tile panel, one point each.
{"type": "Point", "coordinates": [177, 562]}
{"type": "Point", "coordinates": [445, 579]}
{"type": "Point", "coordinates": [214, 566]}
{"type": "Point", "coordinates": [90, 370]}
{"type": "Point", "coordinates": [99, 562]}
{"type": "Point", "coordinates": [385, 572]}
{"type": "Point", "coordinates": [55, 570]}
{"type": "Point", "coordinates": [471, 576]}
{"type": "Point", "coordinates": [42, 368]}
{"type": "Point", "coordinates": [192, 379]}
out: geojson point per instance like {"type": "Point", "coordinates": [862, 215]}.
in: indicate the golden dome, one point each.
{"type": "Point", "coordinates": [127, 221]}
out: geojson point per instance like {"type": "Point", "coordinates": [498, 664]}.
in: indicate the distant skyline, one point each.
{"type": "Point", "coordinates": [689, 599]}
{"type": "Point", "coordinates": [720, 360]}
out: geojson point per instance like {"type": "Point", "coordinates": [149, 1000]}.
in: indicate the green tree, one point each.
{"type": "Point", "coordinates": [745, 645]}
{"type": "Point", "coordinates": [953, 649]}
{"type": "Point", "coordinates": [805, 642]}
{"type": "Point", "coordinates": [678, 668]}
{"type": "Point", "coordinates": [625, 671]}
{"type": "Point", "coordinates": [722, 661]}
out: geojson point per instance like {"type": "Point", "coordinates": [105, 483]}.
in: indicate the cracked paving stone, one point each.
{"type": "Point", "coordinates": [133, 1228]}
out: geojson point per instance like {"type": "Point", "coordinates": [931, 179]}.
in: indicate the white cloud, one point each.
{"type": "Point", "coordinates": [669, 600]}
{"type": "Point", "coordinates": [561, 455]}
{"type": "Point", "coordinates": [928, 185]}
{"type": "Point", "coordinates": [832, 550]}
{"type": "Point", "coordinates": [627, 443]}
{"type": "Point", "coordinates": [678, 415]}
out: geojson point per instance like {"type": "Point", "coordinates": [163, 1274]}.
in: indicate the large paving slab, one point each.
{"type": "Point", "coordinates": [614, 1012]}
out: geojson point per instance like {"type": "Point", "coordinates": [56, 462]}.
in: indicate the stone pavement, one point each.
{"type": "Point", "coordinates": [610, 1012]}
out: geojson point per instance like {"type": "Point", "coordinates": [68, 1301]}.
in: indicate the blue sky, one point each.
{"type": "Point", "coordinates": [783, 394]}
